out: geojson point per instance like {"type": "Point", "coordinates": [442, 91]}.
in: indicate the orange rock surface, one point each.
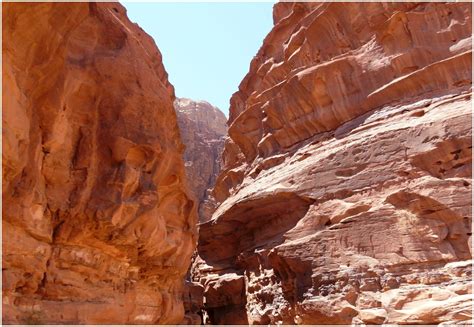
{"type": "Point", "coordinates": [203, 128]}
{"type": "Point", "coordinates": [98, 227]}
{"type": "Point", "coordinates": [345, 195]}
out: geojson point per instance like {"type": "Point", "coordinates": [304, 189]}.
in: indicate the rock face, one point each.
{"type": "Point", "coordinates": [345, 195]}
{"type": "Point", "coordinates": [193, 297]}
{"type": "Point", "coordinates": [98, 226]}
{"type": "Point", "coordinates": [203, 128]}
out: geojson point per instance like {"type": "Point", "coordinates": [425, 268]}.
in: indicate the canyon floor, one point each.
{"type": "Point", "coordinates": [338, 191]}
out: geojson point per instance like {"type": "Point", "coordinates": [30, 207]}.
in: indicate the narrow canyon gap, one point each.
{"type": "Point", "coordinates": [203, 129]}
{"type": "Point", "coordinates": [344, 192]}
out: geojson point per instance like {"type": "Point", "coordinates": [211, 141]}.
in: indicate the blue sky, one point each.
{"type": "Point", "coordinates": [206, 47]}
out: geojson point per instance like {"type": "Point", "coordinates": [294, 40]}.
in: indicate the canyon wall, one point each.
{"type": "Point", "coordinates": [345, 195]}
{"type": "Point", "coordinates": [98, 225]}
{"type": "Point", "coordinates": [203, 128]}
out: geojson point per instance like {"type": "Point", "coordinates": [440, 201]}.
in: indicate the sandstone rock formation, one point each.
{"type": "Point", "coordinates": [193, 297]}
{"type": "Point", "coordinates": [203, 128]}
{"type": "Point", "coordinates": [345, 195]}
{"type": "Point", "coordinates": [98, 226]}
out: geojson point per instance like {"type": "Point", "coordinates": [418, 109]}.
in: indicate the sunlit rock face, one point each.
{"type": "Point", "coordinates": [203, 128]}
{"type": "Point", "coordinates": [98, 227]}
{"type": "Point", "coordinates": [345, 195]}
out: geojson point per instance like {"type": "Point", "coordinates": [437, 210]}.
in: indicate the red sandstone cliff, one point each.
{"type": "Point", "coordinates": [97, 224]}
{"type": "Point", "coordinates": [345, 195]}
{"type": "Point", "coordinates": [203, 128]}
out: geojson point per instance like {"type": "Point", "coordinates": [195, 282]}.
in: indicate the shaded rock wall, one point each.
{"type": "Point", "coordinates": [98, 226]}
{"type": "Point", "coordinates": [203, 128]}
{"type": "Point", "coordinates": [345, 194]}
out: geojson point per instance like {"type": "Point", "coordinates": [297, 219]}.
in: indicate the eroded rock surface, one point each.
{"type": "Point", "coordinates": [98, 227]}
{"type": "Point", "coordinates": [345, 195]}
{"type": "Point", "coordinates": [203, 128]}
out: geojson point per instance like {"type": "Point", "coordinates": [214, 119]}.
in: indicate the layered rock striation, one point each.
{"type": "Point", "coordinates": [98, 226]}
{"type": "Point", "coordinates": [203, 128]}
{"type": "Point", "coordinates": [345, 195]}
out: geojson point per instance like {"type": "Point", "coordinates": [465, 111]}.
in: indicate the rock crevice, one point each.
{"type": "Point", "coordinates": [203, 129]}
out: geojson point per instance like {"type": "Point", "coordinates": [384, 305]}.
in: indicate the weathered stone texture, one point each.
{"type": "Point", "coordinates": [345, 195]}
{"type": "Point", "coordinates": [98, 226]}
{"type": "Point", "coordinates": [203, 129]}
